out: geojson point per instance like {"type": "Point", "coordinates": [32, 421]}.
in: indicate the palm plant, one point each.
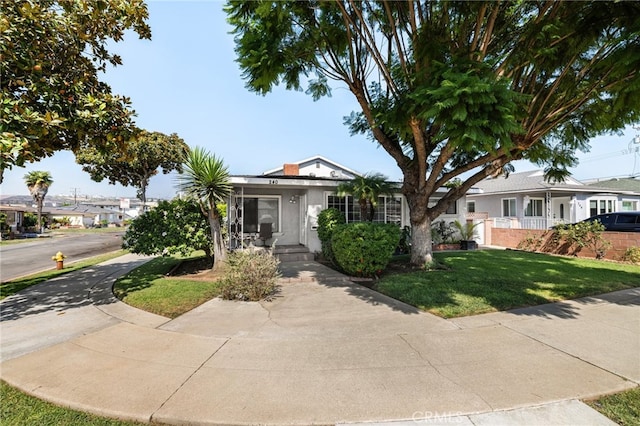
{"type": "Point", "coordinates": [206, 178]}
{"type": "Point", "coordinates": [38, 183]}
{"type": "Point", "coordinates": [366, 189]}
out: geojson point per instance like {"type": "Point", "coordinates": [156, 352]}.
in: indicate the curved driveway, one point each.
{"type": "Point", "coordinates": [322, 351]}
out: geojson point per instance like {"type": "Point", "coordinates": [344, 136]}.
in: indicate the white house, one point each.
{"type": "Point", "coordinates": [526, 200]}
{"type": "Point", "coordinates": [290, 197]}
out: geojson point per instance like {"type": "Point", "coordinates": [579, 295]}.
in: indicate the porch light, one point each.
{"type": "Point", "coordinates": [293, 199]}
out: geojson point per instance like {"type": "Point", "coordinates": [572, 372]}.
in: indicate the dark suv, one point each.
{"type": "Point", "coordinates": [618, 221]}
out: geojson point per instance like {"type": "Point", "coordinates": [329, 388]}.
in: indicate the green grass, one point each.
{"type": "Point", "coordinates": [14, 286]}
{"type": "Point", "coordinates": [475, 282]}
{"type": "Point", "coordinates": [148, 288]}
{"type": "Point", "coordinates": [623, 408]}
{"type": "Point", "coordinates": [18, 409]}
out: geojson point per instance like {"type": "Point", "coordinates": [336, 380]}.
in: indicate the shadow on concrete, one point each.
{"type": "Point", "coordinates": [328, 277]}
{"type": "Point", "coordinates": [88, 286]}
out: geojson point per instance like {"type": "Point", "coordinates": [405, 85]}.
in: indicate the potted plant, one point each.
{"type": "Point", "coordinates": [467, 232]}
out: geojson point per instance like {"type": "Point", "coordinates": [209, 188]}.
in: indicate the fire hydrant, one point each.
{"type": "Point", "coordinates": [59, 258]}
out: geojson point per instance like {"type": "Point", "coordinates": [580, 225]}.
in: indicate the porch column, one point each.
{"type": "Point", "coordinates": [549, 209]}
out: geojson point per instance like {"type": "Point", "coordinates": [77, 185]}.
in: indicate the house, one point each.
{"type": "Point", "coordinates": [285, 201]}
{"type": "Point", "coordinates": [76, 217]}
{"type": "Point", "coordinates": [525, 200]}
{"type": "Point", "coordinates": [15, 216]}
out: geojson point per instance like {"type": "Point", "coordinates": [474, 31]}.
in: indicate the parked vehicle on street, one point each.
{"type": "Point", "coordinates": [618, 221]}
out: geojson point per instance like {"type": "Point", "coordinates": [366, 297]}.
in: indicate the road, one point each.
{"type": "Point", "coordinates": [20, 259]}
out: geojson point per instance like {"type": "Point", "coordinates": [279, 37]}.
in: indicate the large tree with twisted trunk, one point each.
{"type": "Point", "coordinates": [454, 90]}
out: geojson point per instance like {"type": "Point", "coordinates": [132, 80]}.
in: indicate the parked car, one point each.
{"type": "Point", "coordinates": [618, 221]}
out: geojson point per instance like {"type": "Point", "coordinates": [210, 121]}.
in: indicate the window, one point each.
{"type": "Point", "coordinates": [601, 206]}
{"type": "Point", "coordinates": [508, 207]}
{"type": "Point", "coordinates": [534, 208]}
{"type": "Point", "coordinates": [629, 206]}
{"type": "Point", "coordinates": [471, 206]}
{"type": "Point", "coordinates": [452, 209]}
{"type": "Point", "coordinates": [258, 210]}
{"type": "Point", "coordinates": [388, 210]}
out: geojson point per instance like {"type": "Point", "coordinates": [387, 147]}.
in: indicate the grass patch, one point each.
{"type": "Point", "coordinates": [475, 282]}
{"type": "Point", "coordinates": [14, 286]}
{"type": "Point", "coordinates": [623, 408]}
{"type": "Point", "coordinates": [148, 288]}
{"type": "Point", "coordinates": [19, 409]}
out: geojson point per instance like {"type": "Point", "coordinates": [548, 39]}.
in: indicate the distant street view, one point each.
{"type": "Point", "coordinates": [20, 259]}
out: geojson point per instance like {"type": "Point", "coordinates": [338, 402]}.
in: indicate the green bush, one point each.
{"type": "Point", "coordinates": [364, 249]}
{"type": "Point", "coordinates": [249, 275]}
{"type": "Point", "coordinates": [584, 234]}
{"type": "Point", "coordinates": [328, 220]}
{"type": "Point", "coordinates": [632, 254]}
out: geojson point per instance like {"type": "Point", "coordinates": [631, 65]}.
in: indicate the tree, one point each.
{"type": "Point", "coordinates": [141, 158]}
{"type": "Point", "coordinates": [206, 179]}
{"type": "Point", "coordinates": [51, 52]}
{"type": "Point", "coordinates": [366, 189]}
{"type": "Point", "coordinates": [38, 183]}
{"type": "Point", "coordinates": [176, 226]}
{"type": "Point", "coordinates": [454, 89]}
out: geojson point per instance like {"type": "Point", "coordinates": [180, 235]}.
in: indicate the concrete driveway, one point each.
{"type": "Point", "coordinates": [322, 351]}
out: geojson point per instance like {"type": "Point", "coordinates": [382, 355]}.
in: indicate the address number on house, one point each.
{"type": "Point", "coordinates": [273, 181]}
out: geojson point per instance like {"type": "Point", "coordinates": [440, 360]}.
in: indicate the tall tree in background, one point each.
{"type": "Point", "coordinates": [38, 183]}
{"type": "Point", "coordinates": [137, 162]}
{"type": "Point", "coordinates": [454, 89]}
{"type": "Point", "coordinates": [51, 52]}
{"type": "Point", "coordinates": [206, 179]}
{"type": "Point", "coordinates": [366, 189]}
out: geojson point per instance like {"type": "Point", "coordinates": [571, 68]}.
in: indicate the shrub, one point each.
{"type": "Point", "coordinates": [585, 234]}
{"type": "Point", "coordinates": [632, 255]}
{"type": "Point", "coordinates": [364, 249]}
{"type": "Point", "coordinates": [442, 232]}
{"type": "Point", "coordinates": [327, 221]}
{"type": "Point", "coordinates": [249, 275]}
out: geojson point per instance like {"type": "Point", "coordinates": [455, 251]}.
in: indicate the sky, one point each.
{"type": "Point", "coordinates": [186, 81]}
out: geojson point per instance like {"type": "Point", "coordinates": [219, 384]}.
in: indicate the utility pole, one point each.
{"type": "Point", "coordinates": [75, 195]}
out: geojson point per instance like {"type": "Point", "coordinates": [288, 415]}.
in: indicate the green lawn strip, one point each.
{"type": "Point", "coordinates": [14, 286]}
{"type": "Point", "coordinates": [474, 282]}
{"type": "Point", "coordinates": [623, 408]}
{"type": "Point", "coordinates": [18, 408]}
{"type": "Point", "coordinates": [148, 288]}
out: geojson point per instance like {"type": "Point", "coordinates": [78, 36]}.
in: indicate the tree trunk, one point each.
{"type": "Point", "coordinates": [39, 203]}
{"type": "Point", "coordinates": [219, 251]}
{"type": "Point", "coordinates": [421, 243]}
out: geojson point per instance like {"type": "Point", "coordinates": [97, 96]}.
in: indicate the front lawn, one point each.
{"type": "Point", "coordinates": [474, 282]}
{"type": "Point", "coordinates": [623, 408]}
{"type": "Point", "coordinates": [150, 289]}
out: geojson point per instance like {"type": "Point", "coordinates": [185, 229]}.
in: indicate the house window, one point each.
{"type": "Point", "coordinates": [388, 210]}
{"type": "Point", "coordinates": [629, 206]}
{"type": "Point", "coordinates": [452, 209]}
{"type": "Point", "coordinates": [258, 210]}
{"type": "Point", "coordinates": [508, 207]}
{"type": "Point", "coordinates": [534, 208]}
{"type": "Point", "coordinates": [471, 206]}
{"type": "Point", "coordinates": [601, 206]}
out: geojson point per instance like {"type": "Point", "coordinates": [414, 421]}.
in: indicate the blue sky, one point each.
{"type": "Point", "coordinates": [186, 81]}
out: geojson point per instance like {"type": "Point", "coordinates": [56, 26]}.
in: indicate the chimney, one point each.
{"type": "Point", "coordinates": [291, 169]}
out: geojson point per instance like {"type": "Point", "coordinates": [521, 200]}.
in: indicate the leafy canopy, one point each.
{"type": "Point", "coordinates": [139, 160]}
{"type": "Point", "coordinates": [51, 52]}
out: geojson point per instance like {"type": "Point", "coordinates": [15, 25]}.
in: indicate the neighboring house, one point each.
{"type": "Point", "coordinates": [76, 217]}
{"type": "Point", "coordinates": [15, 215]}
{"type": "Point", "coordinates": [99, 215]}
{"type": "Point", "coordinates": [291, 197]}
{"type": "Point", "coordinates": [526, 200]}
{"type": "Point", "coordinates": [130, 207]}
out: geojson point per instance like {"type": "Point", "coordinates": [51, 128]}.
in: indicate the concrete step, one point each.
{"type": "Point", "coordinates": [295, 257]}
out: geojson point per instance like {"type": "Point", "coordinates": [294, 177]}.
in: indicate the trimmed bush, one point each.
{"type": "Point", "coordinates": [328, 220]}
{"type": "Point", "coordinates": [249, 275]}
{"type": "Point", "coordinates": [364, 249]}
{"type": "Point", "coordinates": [632, 255]}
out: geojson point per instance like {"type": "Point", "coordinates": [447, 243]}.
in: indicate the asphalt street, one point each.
{"type": "Point", "coordinates": [24, 258]}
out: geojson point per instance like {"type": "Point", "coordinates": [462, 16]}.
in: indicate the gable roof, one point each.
{"type": "Point", "coordinates": [313, 160]}
{"type": "Point", "coordinates": [534, 181]}
{"type": "Point", "coordinates": [625, 184]}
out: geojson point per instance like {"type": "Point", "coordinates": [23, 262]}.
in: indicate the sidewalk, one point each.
{"type": "Point", "coordinates": [323, 351]}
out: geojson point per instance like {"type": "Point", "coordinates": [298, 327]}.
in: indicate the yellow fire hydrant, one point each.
{"type": "Point", "coordinates": [59, 258]}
